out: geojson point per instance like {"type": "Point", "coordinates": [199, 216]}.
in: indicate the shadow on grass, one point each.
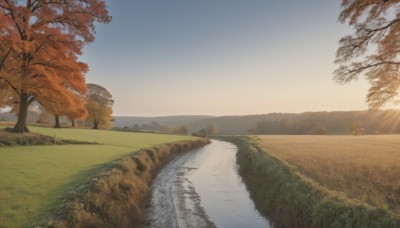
{"type": "Point", "coordinates": [65, 193]}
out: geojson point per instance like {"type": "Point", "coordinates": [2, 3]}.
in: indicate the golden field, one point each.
{"type": "Point", "coordinates": [363, 168]}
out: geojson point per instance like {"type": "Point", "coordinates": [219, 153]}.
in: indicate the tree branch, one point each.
{"type": "Point", "coordinates": [11, 85]}
{"type": "Point", "coordinates": [38, 5]}
{"type": "Point", "coordinates": [32, 99]}
{"type": "Point", "coordinates": [3, 61]}
{"type": "Point", "coordinates": [14, 19]}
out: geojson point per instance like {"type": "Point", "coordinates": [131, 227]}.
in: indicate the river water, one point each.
{"type": "Point", "coordinates": [202, 189]}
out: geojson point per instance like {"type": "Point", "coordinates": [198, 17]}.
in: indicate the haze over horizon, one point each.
{"type": "Point", "coordinates": [163, 58]}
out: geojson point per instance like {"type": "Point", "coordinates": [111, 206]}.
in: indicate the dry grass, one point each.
{"type": "Point", "coordinates": [117, 196]}
{"type": "Point", "coordinates": [365, 168]}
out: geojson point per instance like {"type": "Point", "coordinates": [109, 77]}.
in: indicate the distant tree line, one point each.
{"type": "Point", "coordinates": [209, 131]}
{"type": "Point", "coordinates": [155, 126]}
{"type": "Point", "coordinates": [289, 126]}
{"type": "Point", "coordinates": [337, 122]}
{"type": "Point", "coordinates": [293, 126]}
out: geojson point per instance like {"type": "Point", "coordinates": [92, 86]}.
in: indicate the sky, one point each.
{"type": "Point", "coordinates": [221, 57]}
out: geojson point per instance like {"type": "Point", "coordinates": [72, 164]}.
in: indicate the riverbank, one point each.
{"type": "Point", "coordinates": [37, 180]}
{"type": "Point", "coordinates": [289, 199]}
{"type": "Point", "coordinates": [118, 194]}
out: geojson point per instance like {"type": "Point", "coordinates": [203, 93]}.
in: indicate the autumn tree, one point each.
{"type": "Point", "coordinates": [319, 129]}
{"type": "Point", "coordinates": [40, 41]}
{"type": "Point", "coordinates": [5, 97]}
{"type": "Point", "coordinates": [99, 104]}
{"type": "Point", "coordinates": [356, 128]}
{"type": "Point", "coordinates": [44, 117]}
{"type": "Point", "coordinates": [136, 127]}
{"type": "Point", "coordinates": [200, 133]}
{"type": "Point", "coordinates": [182, 130]}
{"type": "Point", "coordinates": [373, 49]}
{"type": "Point", "coordinates": [211, 129]}
{"type": "Point", "coordinates": [70, 105]}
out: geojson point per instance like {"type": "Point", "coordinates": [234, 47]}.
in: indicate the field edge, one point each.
{"type": "Point", "coordinates": [289, 200]}
{"type": "Point", "coordinates": [117, 195]}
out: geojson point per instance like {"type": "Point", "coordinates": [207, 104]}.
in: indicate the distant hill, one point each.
{"type": "Point", "coordinates": [7, 116]}
{"type": "Point", "coordinates": [338, 122]}
{"type": "Point", "coordinates": [129, 121]}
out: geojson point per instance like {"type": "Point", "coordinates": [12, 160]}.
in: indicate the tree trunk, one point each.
{"type": "Point", "coordinates": [20, 126]}
{"type": "Point", "coordinates": [57, 125]}
{"type": "Point", "coordinates": [73, 123]}
{"type": "Point", "coordinates": [96, 125]}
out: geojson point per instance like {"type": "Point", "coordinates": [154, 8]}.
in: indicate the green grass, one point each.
{"type": "Point", "coordinates": [34, 180]}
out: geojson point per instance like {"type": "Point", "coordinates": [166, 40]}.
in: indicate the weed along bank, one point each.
{"type": "Point", "coordinates": [69, 182]}
{"type": "Point", "coordinates": [289, 198]}
{"type": "Point", "coordinates": [118, 194]}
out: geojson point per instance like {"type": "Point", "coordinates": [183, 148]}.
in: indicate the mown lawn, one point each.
{"type": "Point", "coordinates": [362, 168]}
{"type": "Point", "coordinates": [35, 179]}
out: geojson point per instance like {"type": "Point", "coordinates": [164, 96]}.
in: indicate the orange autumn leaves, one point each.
{"type": "Point", "coordinates": [40, 41]}
{"type": "Point", "coordinates": [373, 49]}
{"type": "Point", "coordinates": [99, 106]}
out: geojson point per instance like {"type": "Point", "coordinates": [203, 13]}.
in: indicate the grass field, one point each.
{"type": "Point", "coordinates": [363, 168]}
{"type": "Point", "coordinates": [34, 179]}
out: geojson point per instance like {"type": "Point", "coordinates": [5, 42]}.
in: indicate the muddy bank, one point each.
{"type": "Point", "coordinates": [289, 200]}
{"type": "Point", "coordinates": [117, 196]}
{"type": "Point", "coordinates": [174, 201]}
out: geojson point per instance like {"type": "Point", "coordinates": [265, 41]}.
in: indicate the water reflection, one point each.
{"type": "Point", "coordinates": [202, 189]}
{"type": "Point", "coordinates": [222, 193]}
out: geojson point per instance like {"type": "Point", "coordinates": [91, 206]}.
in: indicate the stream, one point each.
{"type": "Point", "coordinates": [202, 189]}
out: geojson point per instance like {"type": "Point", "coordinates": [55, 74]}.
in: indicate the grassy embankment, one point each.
{"type": "Point", "coordinates": [324, 181]}
{"type": "Point", "coordinates": [35, 180]}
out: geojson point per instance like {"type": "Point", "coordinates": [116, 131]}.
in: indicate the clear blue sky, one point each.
{"type": "Point", "coordinates": [221, 57]}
